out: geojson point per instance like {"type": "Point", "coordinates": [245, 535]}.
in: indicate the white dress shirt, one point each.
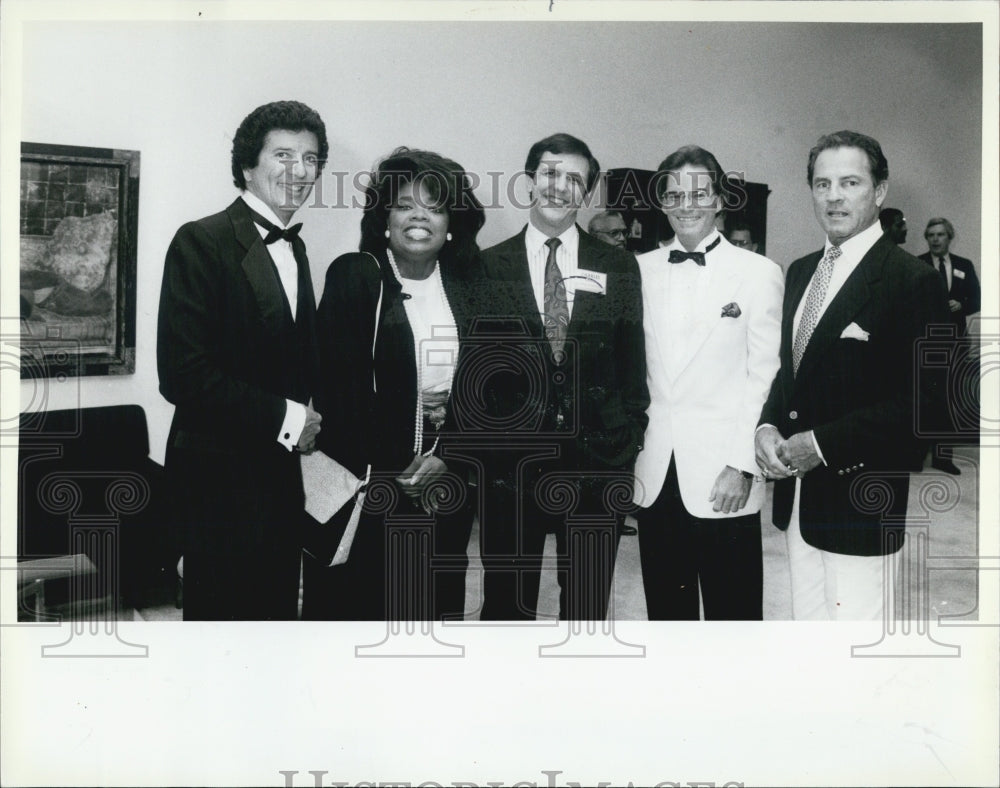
{"type": "Point", "coordinates": [566, 258]}
{"type": "Point", "coordinates": [288, 274]}
{"type": "Point", "coordinates": [434, 330]}
{"type": "Point", "coordinates": [280, 251]}
{"type": "Point", "coordinates": [852, 251]}
{"type": "Point", "coordinates": [686, 284]}
{"type": "Point", "coordinates": [937, 261]}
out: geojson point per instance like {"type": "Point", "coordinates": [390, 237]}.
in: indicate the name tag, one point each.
{"type": "Point", "coordinates": [590, 281]}
{"type": "Point", "coordinates": [957, 273]}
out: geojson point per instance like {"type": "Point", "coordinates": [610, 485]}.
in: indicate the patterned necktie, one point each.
{"type": "Point", "coordinates": [811, 311]}
{"type": "Point", "coordinates": [944, 274]}
{"type": "Point", "coordinates": [556, 308]}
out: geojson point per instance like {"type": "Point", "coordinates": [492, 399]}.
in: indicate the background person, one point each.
{"type": "Point", "coordinates": [609, 226]}
{"type": "Point", "coordinates": [958, 276]}
{"type": "Point", "coordinates": [741, 236]}
{"type": "Point", "coordinates": [893, 224]}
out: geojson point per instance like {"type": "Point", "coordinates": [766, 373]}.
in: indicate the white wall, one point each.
{"type": "Point", "coordinates": [757, 95]}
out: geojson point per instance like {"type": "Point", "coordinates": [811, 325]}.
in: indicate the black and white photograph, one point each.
{"type": "Point", "coordinates": [477, 393]}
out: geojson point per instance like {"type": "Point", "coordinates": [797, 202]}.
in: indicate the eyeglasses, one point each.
{"type": "Point", "coordinates": [741, 243]}
{"type": "Point", "coordinates": [700, 198]}
{"type": "Point", "coordinates": [622, 233]}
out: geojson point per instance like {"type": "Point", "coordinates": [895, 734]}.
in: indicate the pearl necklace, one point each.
{"type": "Point", "coordinates": [418, 426]}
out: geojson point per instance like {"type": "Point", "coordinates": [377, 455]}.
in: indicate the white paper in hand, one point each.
{"type": "Point", "coordinates": [328, 485]}
{"type": "Point", "coordinates": [344, 548]}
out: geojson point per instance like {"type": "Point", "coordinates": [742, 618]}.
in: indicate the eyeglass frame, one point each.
{"type": "Point", "coordinates": [619, 232]}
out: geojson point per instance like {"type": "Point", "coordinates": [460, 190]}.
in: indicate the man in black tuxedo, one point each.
{"type": "Point", "coordinates": [236, 353]}
{"type": "Point", "coordinates": [962, 287]}
{"type": "Point", "coordinates": [837, 430]}
{"type": "Point", "coordinates": [561, 390]}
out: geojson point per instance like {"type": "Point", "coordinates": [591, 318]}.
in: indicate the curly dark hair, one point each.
{"type": "Point", "coordinates": [851, 139]}
{"type": "Point", "coordinates": [287, 115]}
{"type": "Point", "coordinates": [447, 184]}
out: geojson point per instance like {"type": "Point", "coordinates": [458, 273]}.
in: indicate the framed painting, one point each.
{"type": "Point", "coordinates": [79, 220]}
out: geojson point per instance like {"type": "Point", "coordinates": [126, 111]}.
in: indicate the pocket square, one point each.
{"type": "Point", "coordinates": [854, 331]}
{"type": "Point", "coordinates": [732, 309]}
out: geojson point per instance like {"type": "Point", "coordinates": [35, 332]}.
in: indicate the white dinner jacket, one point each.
{"type": "Point", "coordinates": [707, 412]}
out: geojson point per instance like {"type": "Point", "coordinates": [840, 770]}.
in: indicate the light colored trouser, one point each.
{"type": "Point", "coordinates": [833, 587]}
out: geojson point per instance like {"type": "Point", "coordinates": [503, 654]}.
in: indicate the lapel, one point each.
{"type": "Point", "coordinates": [654, 298]}
{"type": "Point", "coordinates": [796, 283]}
{"type": "Point", "coordinates": [509, 264]}
{"type": "Point", "coordinates": [592, 255]}
{"type": "Point", "coordinates": [928, 258]}
{"type": "Point", "coordinates": [259, 268]}
{"type": "Point", "coordinates": [724, 279]}
{"type": "Point", "coordinates": [852, 296]}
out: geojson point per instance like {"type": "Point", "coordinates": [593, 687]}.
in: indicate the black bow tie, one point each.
{"type": "Point", "coordinates": [274, 232]}
{"type": "Point", "coordinates": [679, 255]}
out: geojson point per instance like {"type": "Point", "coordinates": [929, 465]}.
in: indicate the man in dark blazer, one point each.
{"type": "Point", "coordinates": [962, 287]}
{"type": "Point", "coordinates": [236, 353]}
{"type": "Point", "coordinates": [837, 428]}
{"type": "Point", "coordinates": [556, 391]}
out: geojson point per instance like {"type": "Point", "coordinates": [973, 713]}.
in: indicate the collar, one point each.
{"type": "Point", "coordinates": [703, 244]}
{"type": "Point", "coordinates": [534, 238]}
{"type": "Point", "coordinates": [262, 208]}
{"type": "Point", "coordinates": [858, 245]}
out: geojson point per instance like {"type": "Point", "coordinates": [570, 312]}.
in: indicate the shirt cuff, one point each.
{"type": "Point", "coordinates": [291, 427]}
{"type": "Point", "coordinates": [819, 451]}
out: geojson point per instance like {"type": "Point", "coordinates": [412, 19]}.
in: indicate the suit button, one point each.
{"type": "Point", "coordinates": [793, 415]}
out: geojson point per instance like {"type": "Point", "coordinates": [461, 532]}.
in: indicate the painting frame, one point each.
{"type": "Point", "coordinates": [78, 321]}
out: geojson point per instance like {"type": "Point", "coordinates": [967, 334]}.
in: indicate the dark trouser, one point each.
{"type": "Point", "coordinates": [239, 515]}
{"type": "Point", "coordinates": [512, 539]}
{"type": "Point", "coordinates": [407, 566]}
{"type": "Point", "coordinates": [678, 552]}
{"type": "Point", "coordinates": [242, 586]}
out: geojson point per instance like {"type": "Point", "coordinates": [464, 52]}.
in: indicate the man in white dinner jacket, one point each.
{"type": "Point", "coordinates": [712, 320]}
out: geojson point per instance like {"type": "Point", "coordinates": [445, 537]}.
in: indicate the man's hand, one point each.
{"type": "Point", "coordinates": [766, 443]}
{"type": "Point", "coordinates": [730, 491]}
{"type": "Point", "coordinates": [417, 480]}
{"type": "Point", "coordinates": [799, 453]}
{"type": "Point", "coordinates": [307, 440]}
{"type": "Point", "coordinates": [954, 305]}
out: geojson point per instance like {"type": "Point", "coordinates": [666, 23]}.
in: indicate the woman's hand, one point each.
{"type": "Point", "coordinates": [417, 480]}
